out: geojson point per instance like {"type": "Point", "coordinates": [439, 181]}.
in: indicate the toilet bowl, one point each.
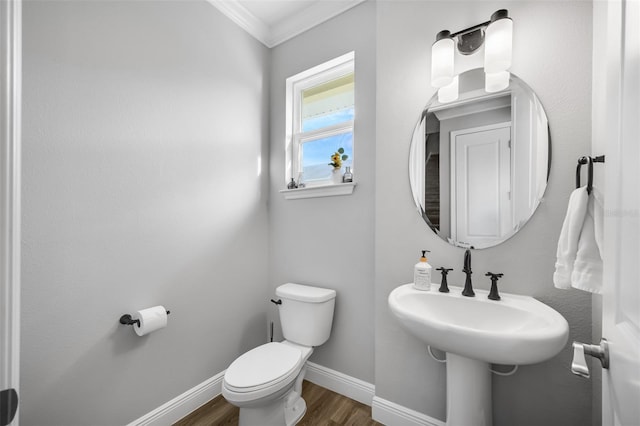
{"type": "Point", "coordinates": [266, 382]}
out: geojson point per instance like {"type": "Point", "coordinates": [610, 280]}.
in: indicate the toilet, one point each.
{"type": "Point", "coordinates": [266, 382]}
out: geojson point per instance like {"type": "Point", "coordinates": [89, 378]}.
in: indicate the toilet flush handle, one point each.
{"type": "Point", "coordinates": [277, 302]}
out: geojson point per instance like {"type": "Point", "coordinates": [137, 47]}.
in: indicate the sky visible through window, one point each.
{"type": "Point", "coordinates": [316, 153]}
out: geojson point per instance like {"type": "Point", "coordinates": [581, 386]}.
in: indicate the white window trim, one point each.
{"type": "Point", "coordinates": [319, 191]}
{"type": "Point", "coordinates": [334, 68]}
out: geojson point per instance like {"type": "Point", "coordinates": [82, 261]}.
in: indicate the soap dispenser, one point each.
{"type": "Point", "coordinates": [422, 274]}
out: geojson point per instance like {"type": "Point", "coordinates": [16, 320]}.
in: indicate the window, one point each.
{"type": "Point", "coordinates": [319, 120]}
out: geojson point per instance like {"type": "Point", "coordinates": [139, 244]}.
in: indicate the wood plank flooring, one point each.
{"type": "Point", "coordinates": [324, 408]}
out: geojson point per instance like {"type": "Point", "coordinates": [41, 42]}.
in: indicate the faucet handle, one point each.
{"type": "Point", "coordinates": [444, 288]}
{"type": "Point", "coordinates": [493, 293]}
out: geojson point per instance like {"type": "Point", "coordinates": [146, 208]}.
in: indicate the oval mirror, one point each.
{"type": "Point", "coordinates": [478, 166]}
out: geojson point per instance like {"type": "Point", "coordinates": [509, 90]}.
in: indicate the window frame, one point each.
{"type": "Point", "coordinates": [295, 137]}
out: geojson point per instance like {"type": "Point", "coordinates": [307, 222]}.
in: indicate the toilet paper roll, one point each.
{"type": "Point", "coordinates": [151, 319]}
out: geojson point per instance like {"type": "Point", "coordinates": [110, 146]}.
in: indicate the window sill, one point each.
{"type": "Point", "coordinates": [319, 191]}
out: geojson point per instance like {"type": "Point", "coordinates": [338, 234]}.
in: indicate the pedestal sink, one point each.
{"type": "Point", "coordinates": [475, 332]}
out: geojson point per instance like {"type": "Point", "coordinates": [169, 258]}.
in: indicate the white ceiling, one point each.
{"type": "Point", "coordinates": [275, 21]}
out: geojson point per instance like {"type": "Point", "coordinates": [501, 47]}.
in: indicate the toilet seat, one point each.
{"type": "Point", "coordinates": [268, 367]}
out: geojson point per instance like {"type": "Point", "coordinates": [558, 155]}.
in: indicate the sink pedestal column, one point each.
{"type": "Point", "coordinates": [468, 392]}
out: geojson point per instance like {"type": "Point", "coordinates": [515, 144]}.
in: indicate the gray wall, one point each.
{"type": "Point", "coordinates": [144, 122]}
{"type": "Point", "coordinates": [329, 241]}
{"type": "Point", "coordinates": [556, 64]}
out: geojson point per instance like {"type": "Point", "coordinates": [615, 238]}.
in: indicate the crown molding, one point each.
{"type": "Point", "coordinates": [315, 14]}
{"type": "Point", "coordinates": [243, 18]}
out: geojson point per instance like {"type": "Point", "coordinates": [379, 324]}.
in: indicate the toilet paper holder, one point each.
{"type": "Point", "coordinates": [127, 319]}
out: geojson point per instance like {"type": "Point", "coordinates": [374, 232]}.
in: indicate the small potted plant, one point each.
{"type": "Point", "coordinates": [336, 161]}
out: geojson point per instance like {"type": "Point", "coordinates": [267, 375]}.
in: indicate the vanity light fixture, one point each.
{"type": "Point", "coordinates": [442, 53]}
{"type": "Point", "coordinates": [496, 34]}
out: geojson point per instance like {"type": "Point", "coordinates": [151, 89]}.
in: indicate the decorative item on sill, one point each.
{"type": "Point", "coordinates": [336, 161]}
{"type": "Point", "coordinates": [292, 184]}
{"type": "Point", "coordinates": [300, 182]}
{"type": "Point", "coordinates": [336, 176]}
{"type": "Point", "coordinates": [347, 176]}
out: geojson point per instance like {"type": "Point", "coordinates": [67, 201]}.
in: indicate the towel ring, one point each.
{"type": "Point", "coordinates": [587, 160]}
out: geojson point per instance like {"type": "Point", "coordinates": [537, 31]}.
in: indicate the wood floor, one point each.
{"type": "Point", "coordinates": [324, 408]}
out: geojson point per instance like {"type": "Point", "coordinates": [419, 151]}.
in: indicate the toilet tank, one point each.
{"type": "Point", "coordinates": [306, 313]}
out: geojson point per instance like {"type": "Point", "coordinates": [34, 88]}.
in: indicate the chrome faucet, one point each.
{"type": "Point", "coordinates": [468, 289]}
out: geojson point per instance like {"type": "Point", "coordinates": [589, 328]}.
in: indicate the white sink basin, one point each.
{"type": "Point", "coordinates": [514, 330]}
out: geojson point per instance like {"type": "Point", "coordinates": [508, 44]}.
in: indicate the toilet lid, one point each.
{"type": "Point", "coordinates": [263, 365]}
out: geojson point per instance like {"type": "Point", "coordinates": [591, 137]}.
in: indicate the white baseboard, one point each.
{"type": "Point", "coordinates": [182, 405]}
{"type": "Point", "coordinates": [383, 411]}
{"type": "Point", "coordinates": [348, 386]}
{"type": "Point", "coordinates": [390, 413]}
{"type": "Point", "coordinates": [195, 397]}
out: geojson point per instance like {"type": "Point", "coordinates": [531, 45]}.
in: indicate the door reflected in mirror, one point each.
{"type": "Point", "coordinates": [478, 166]}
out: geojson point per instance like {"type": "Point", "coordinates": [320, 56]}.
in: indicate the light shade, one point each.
{"type": "Point", "coordinates": [498, 43]}
{"type": "Point", "coordinates": [442, 54]}
{"type": "Point", "coordinates": [497, 81]}
{"type": "Point", "coordinates": [448, 93]}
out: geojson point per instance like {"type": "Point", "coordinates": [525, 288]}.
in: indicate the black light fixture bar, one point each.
{"type": "Point", "coordinates": [470, 39]}
{"type": "Point", "coordinates": [470, 29]}
{"type": "Point", "coordinates": [498, 14]}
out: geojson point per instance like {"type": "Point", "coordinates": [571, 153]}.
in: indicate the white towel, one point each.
{"type": "Point", "coordinates": [569, 237]}
{"type": "Point", "coordinates": [587, 269]}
